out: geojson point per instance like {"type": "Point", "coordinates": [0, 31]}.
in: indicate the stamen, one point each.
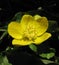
{"type": "Point", "coordinates": [30, 32]}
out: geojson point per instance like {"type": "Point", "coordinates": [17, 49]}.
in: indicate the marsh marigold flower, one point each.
{"type": "Point", "coordinates": [31, 29]}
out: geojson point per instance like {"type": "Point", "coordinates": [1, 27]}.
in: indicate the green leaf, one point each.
{"type": "Point", "coordinates": [50, 55]}
{"type": "Point", "coordinates": [43, 55]}
{"type": "Point", "coordinates": [47, 55]}
{"type": "Point", "coordinates": [4, 60]}
{"type": "Point", "coordinates": [52, 26]}
{"type": "Point", "coordinates": [1, 58]}
{"type": "Point", "coordinates": [33, 47]}
{"type": "Point", "coordinates": [52, 50]}
{"type": "Point", "coordinates": [17, 16]}
{"type": "Point", "coordinates": [47, 61]}
{"type": "Point", "coordinates": [58, 37]}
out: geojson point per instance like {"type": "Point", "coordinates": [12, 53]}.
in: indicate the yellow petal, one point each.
{"type": "Point", "coordinates": [14, 30]}
{"type": "Point", "coordinates": [25, 20]}
{"type": "Point", "coordinates": [36, 17]}
{"type": "Point", "coordinates": [42, 25]}
{"type": "Point", "coordinates": [42, 38]}
{"type": "Point", "coordinates": [21, 42]}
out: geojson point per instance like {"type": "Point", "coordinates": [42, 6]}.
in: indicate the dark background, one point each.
{"type": "Point", "coordinates": [8, 8]}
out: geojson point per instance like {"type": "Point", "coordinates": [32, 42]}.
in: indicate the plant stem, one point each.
{"type": "Point", "coordinates": [3, 35]}
{"type": "Point", "coordinates": [3, 30]}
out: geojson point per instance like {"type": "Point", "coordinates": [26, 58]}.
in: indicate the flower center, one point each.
{"type": "Point", "coordinates": [30, 32]}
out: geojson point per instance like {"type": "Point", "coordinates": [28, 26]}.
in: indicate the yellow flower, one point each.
{"type": "Point", "coordinates": [31, 29]}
